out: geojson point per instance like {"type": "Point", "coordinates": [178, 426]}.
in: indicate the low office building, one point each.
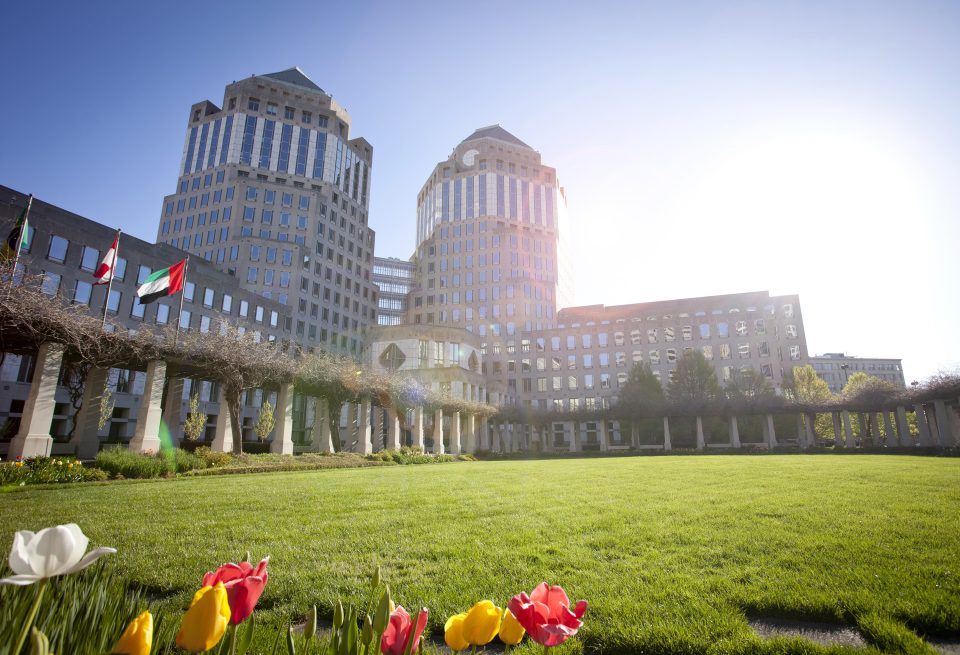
{"type": "Point", "coordinates": [64, 249]}
{"type": "Point", "coordinates": [836, 368]}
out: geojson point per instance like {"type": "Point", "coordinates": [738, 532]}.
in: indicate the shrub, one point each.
{"type": "Point", "coordinates": [213, 458]}
{"type": "Point", "coordinates": [41, 470]}
{"type": "Point", "coordinates": [120, 461]}
{"type": "Point", "coordinates": [185, 461]}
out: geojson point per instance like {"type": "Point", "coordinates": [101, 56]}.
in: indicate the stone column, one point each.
{"type": "Point", "coordinates": [903, 428]}
{"type": "Point", "coordinates": [484, 434]}
{"type": "Point", "coordinates": [635, 434]}
{"type": "Point", "coordinates": [666, 434]}
{"type": "Point", "coordinates": [173, 408]}
{"type": "Point", "coordinates": [348, 441]}
{"type": "Point", "coordinates": [393, 429]}
{"type": "Point", "coordinates": [864, 428]}
{"type": "Point", "coordinates": [771, 433]}
{"type": "Point", "coordinates": [86, 437]}
{"type": "Point", "coordinates": [455, 434]}
{"type": "Point", "coordinates": [701, 442]}
{"type": "Point", "coordinates": [734, 433]}
{"type": "Point", "coordinates": [470, 434]}
{"type": "Point", "coordinates": [223, 434]}
{"type": "Point", "coordinates": [282, 442]}
{"type": "Point", "coordinates": [811, 421]}
{"type": "Point", "coordinates": [146, 436]}
{"type": "Point", "coordinates": [417, 436]}
{"type": "Point", "coordinates": [888, 429]}
{"type": "Point", "coordinates": [364, 443]}
{"type": "Point", "coordinates": [847, 429]}
{"type": "Point", "coordinates": [947, 438]}
{"type": "Point", "coordinates": [495, 442]}
{"type": "Point", "coordinates": [33, 439]}
{"type": "Point", "coordinates": [604, 440]}
{"type": "Point", "coordinates": [438, 432]}
{"type": "Point", "coordinates": [321, 435]}
{"type": "Point", "coordinates": [574, 436]}
{"type": "Point", "coordinates": [925, 439]}
{"type": "Point", "coordinates": [837, 430]}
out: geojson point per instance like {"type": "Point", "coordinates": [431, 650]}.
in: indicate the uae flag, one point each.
{"type": "Point", "coordinates": [17, 239]}
{"type": "Point", "coordinates": [104, 272]}
{"type": "Point", "coordinates": [165, 282]}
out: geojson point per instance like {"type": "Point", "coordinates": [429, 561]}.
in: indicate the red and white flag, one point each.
{"type": "Point", "coordinates": [104, 272]}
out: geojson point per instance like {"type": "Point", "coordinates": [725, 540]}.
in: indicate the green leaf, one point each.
{"type": "Point", "coordinates": [246, 636]}
{"type": "Point", "coordinates": [291, 649]}
{"type": "Point", "coordinates": [310, 627]}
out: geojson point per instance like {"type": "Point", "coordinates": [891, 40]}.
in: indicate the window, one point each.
{"type": "Point", "coordinates": [89, 259]}
{"type": "Point", "coordinates": [163, 314]}
{"type": "Point", "coordinates": [668, 334]}
{"type": "Point", "coordinates": [81, 292]}
{"type": "Point", "coordinates": [651, 335]}
{"type": "Point", "coordinates": [654, 357]}
{"type": "Point", "coordinates": [271, 109]}
{"type": "Point", "coordinates": [208, 295]}
{"type": "Point", "coordinates": [57, 252]}
{"type": "Point", "coordinates": [744, 350]}
{"type": "Point", "coordinates": [289, 113]}
{"type": "Point", "coordinates": [113, 303]}
{"type": "Point", "coordinates": [188, 290]}
{"type": "Point", "coordinates": [138, 309]}
{"type": "Point", "coordinates": [185, 319]}
{"type": "Point", "coordinates": [50, 283]}
{"type": "Point", "coordinates": [253, 104]}
{"type": "Point", "coordinates": [226, 303]}
{"type": "Point", "coordinates": [708, 353]}
{"type": "Point", "coordinates": [741, 328]}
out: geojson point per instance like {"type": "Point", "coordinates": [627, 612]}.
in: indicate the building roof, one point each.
{"type": "Point", "coordinates": [498, 133]}
{"type": "Point", "coordinates": [296, 77]}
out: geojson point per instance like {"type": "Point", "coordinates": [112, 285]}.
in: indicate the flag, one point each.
{"type": "Point", "coordinates": [17, 239]}
{"type": "Point", "coordinates": [104, 272]}
{"type": "Point", "coordinates": [165, 282]}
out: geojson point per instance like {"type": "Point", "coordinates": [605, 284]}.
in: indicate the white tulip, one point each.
{"type": "Point", "coordinates": [50, 552]}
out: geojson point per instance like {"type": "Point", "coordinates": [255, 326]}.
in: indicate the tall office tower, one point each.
{"type": "Point", "coordinates": [489, 255]}
{"type": "Point", "coordinates": [273, 190]}
{"type": "Point", "coordinates": [394, 279]}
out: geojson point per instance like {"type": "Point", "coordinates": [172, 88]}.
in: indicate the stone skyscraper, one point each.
{"type": "Point", "coordinates": [489, 255]}
{"type": "Point", "coordinates": [273, 190]}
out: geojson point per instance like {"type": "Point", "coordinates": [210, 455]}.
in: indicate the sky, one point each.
{"type": "Point", "coordinates": [704, 147]}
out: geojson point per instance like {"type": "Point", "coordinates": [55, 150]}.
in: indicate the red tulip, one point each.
{"type": "Point", "coordinates": [397, 633]}
{"type": "Point", "coordinates": [243, 583]}
{"type": "Point", "coordinates": [545, 614]}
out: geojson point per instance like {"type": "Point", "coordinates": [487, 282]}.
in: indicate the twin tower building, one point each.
{"type": "Point", "coordinates": [274, 190]}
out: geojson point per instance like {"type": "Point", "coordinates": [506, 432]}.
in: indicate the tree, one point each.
{"type": "Point", "coordinates": [803, 385]}
{"type": "Point", "coordinates": [694, 379]}
{"type": "Point", "coordinates": [642, 387]}
{"type": "Point", "coordinates": [195, 422]}
{"type": "Point", "coordinates": [748, 384]}
{"type": "Point", "coordinates": [868, 389]}
{"type": "Point", "coordinates": [265, 421]}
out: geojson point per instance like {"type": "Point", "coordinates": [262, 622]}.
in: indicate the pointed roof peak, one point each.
{"type": "Point", "coordinates": [498, 133]}
{"type": "Point", "coordinates": [296, 77]}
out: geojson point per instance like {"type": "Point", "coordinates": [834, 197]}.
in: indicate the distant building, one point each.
{"type": "Point", "coordinates": [836, 368]}
{"type": "Point", "coordinates": [272, 189]}
{"type": "Point", "coordinates": [394, 278]}
{"type": "Point", "coordinates": [65, 249]}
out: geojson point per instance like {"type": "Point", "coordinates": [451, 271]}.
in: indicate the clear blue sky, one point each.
{"type": "Point", "coordinates": [799, 147]}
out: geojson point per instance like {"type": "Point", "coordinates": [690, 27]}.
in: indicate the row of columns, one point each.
{"type": "Point", "coordinates": [936, 422]}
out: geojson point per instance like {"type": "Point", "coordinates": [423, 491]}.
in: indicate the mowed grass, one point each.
{"type": "Point", "coordinates": [673, 553]}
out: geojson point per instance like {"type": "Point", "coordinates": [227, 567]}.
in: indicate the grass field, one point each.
{"type": "Point", "coordinates": [673, 553]}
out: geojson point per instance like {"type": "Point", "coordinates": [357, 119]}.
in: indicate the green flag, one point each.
{"type": "Point", "coordinates": [19, 235]}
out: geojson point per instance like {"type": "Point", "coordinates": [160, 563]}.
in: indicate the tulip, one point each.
{"type": "Point", "coordinates": [546, 614]}
{"type": "Point", "coordinates": [243, 583]}
{"type": "Point", "coordinates": [205, 622]}
{"type": "Point", "coordinates": [511, 632]}
{"type": "Point", "coordinates": [401, 631]}
{"type": "Point", "coordinates": [137, 638]}
{"type": "Point", "coordinates": [49, 553]}
{"type": "Point", "coordinates": [482, 623]}
{"type": "Point", "coordinates": [453, 632]}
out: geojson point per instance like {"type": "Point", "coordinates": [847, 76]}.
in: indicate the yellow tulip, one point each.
{"type": "Point", "coordinates": [137, 638]}
{"type": "Point", "coordinates": [482, 623]}
{"type": "Point", "coordinates": [453, 632]}
{"type": "Point", "coordinates": [205, 622]}
{"type": "Point", "coordinates": [511, 632]}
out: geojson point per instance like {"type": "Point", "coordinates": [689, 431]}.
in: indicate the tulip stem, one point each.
{"type": "Point", "coordinates": [233, 641]}
{"type": "Point", "coordinates": [31, 615]}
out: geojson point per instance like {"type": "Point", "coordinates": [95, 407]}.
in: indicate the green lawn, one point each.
{"type": "Point", "coordinates": [673, 553]}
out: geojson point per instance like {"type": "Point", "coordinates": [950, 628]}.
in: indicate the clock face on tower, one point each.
{"type": "Point", "coordinates": [469, 157]}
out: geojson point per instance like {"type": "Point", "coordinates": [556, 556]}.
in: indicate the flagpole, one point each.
{"type": "Point", "coordinates": [113, 272]}
{"type": "Point", "coordinates": [25, 224]}
{"type": "Point", "coordinates": [183, 292]}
